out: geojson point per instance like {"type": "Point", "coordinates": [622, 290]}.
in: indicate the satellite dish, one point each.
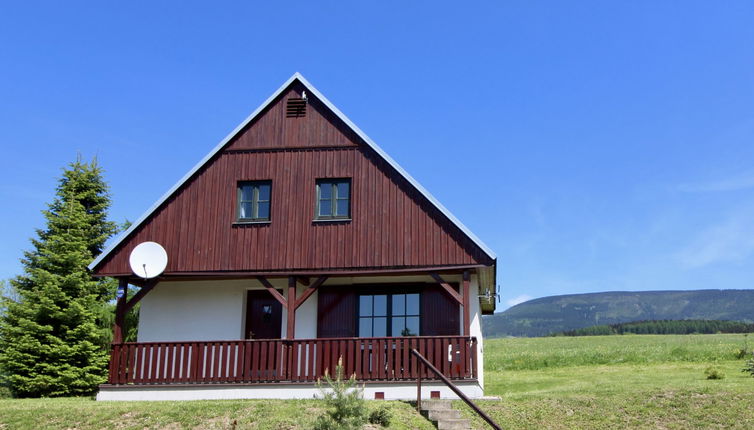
{"type": "Point", "coordinates": [148, 260]}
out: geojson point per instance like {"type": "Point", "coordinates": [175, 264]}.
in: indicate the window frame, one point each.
{"type": "Point", "coordinates": [333, 200]}
{"type": "Point", "coordinates": [256, 184]}
{"type": "Point", "coordinates": [389, 292]}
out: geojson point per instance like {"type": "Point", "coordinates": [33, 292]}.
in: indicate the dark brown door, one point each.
{"type": "Point", "coordinates": [263, 316]}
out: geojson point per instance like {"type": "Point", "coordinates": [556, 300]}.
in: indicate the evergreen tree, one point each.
{"type": "Point", "coordinates": [51, 340]}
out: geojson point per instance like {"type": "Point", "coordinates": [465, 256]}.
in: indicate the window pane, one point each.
{"type": "Point", "coordinates": [365, 327]}
{"type": "Point", "coordinates": [399, 324]}
{"type": "Point", "coordinates": [412, 304]}
{"type": "Point", "coordinates": [325, 190]}
{"type": "Point", "coordinates": [342, 208]}
{"type": "Point", "coordinates": [264, 192]}
{"type": "Point", "coordinates": [247, 193]}
{"type": "Point", "coordinates": [342, 191]}
{"type": "Point", "coordinates": [399, 302]}
{"type": "Point", "coordinates": [325, 208]}
{"type": "Point", "coordinates": [380, 305]}
{"type": "Point", "coordinates": [244, 210]}
{"type": "Point", "coordinates": [365, 306]}
{"type": "Point", "coordinates": [380, 327]}
{"type": "Point", "coordinates": [412, 326]}
{"type": "Point", "coordinates": [263, 210]}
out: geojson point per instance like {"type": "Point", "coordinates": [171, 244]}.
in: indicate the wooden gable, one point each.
{"type": "Point", "coordinates": [393, 225]}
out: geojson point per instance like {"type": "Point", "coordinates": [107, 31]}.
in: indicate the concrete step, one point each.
{"type": "Point", "coordinates": [443, 414]}
{"type": "Point", "coordinates": [454, 424]}
{"type": "Point", "coordinates": [436, 404]}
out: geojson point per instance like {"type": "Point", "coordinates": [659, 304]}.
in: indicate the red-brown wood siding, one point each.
{"type": "Point", "coordinates": [336, 312]}
{"type": "Point", "coordinates": [393, 226]}
{"type": "Point", "coordinates": [319, 128]}
{"type": "Point", "coordinates": [439, 312]}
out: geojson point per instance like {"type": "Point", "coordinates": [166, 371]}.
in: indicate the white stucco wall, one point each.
{"type": "Point", "coordinates": [211, 310]}
{"type": "Point", "coordinates": [476, 327]}
{"type": "Point", "coordinates": [196, 310]}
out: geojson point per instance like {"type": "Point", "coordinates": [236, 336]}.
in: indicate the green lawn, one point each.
{"type": "Point", "coordinates": [613, 382]}
{"type": "Point", "coordinates": [73, 413]}
{"type": "Point", "coordinates": [609, 382]}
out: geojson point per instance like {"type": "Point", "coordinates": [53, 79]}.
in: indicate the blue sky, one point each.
{"type": "Point", "coordinates": [593, 145]}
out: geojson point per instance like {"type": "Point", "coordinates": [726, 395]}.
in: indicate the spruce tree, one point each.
{"type": "Point", "coordinates": [50, 342]}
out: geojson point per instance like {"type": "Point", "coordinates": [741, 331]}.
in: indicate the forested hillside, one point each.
{"type": "Point", "coordinates": [663, 327]}
{"type": "Point", "coordinates": [547, 315]}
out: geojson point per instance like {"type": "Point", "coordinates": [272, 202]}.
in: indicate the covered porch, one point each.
{"type": "Point", "coordinates": [207, 334]}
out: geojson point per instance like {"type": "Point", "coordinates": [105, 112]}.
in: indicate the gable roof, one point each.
{"type": "Point", "coordinates": [296, 77]}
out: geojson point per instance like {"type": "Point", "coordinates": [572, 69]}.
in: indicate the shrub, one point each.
{"type": "Point", "coordinates": [380, 416]}
{"type": "Point", "coordinates": [743, 352]}
{"type": "Point", "coordinates": [5, 392]}
{"type": "Point", "coordinates": [347, 408]}
{"type": "Point", "coordinates": [713, 373]}
{"type": "Point", "coordinates": [749, 367]}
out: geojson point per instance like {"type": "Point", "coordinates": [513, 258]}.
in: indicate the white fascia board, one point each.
{"type": "Point", "coordinates": [263, 106]}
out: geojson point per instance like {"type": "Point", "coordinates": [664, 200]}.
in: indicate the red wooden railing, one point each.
{"type": "Point", "coordinates": [298, 360]}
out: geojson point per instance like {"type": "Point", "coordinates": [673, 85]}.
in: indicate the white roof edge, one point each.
{"type": "Point", "coordinates": [250, 118]}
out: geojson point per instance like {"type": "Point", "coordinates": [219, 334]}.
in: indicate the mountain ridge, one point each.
{"type": "Point", "coordinates": [547, 315]}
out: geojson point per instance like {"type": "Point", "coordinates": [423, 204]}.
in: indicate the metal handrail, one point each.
{"type": "Point", "coordinates": [450, 385]}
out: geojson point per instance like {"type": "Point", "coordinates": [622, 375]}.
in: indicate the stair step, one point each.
{"type": "Point", "coordinates": [443, 414]}
{"type": "Point", "coordinates": [454, 424]}
{"type": "Point", "coordinates": [436, 405]}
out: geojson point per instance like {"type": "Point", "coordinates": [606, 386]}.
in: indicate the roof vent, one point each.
{"type": "Point", "coordinates": [296, 108]}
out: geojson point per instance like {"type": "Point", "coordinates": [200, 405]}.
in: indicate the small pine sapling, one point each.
{"type": "Point", "coordinates": [344, 398]}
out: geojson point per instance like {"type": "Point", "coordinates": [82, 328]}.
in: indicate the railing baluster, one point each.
{"type": "Point", "coordinates": [292, 373]}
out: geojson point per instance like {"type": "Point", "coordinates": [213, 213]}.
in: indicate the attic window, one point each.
{"type": "Point", "coordinates": [333, 199]}
{"type": "Point", "coordinates": [296, 108]}
{"type": "Point", "coordinates": [254, 201]}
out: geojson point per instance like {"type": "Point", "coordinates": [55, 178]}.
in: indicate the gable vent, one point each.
{"type": "Point", "coordinates": [296, 108]}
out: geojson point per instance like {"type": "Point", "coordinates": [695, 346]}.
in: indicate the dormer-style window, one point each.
{"type": "Point", "coordinates": [333, 199]}
{"type": "Point", "coordinates": [254, 199]}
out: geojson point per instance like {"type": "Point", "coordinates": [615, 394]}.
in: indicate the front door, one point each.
{"type": "Point", "coordinates": [263, 316]}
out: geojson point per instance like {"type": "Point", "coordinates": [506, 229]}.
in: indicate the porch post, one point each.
{"type": "Point", "coordinates": [291, 308]}
{"type": "Point", "coordinates": [120, 312]}
{"type": "Point", "coordinates": [466, 304]}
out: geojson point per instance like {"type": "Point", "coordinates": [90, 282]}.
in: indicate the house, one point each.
{"type": "Point", "coordinates": [297, 241]}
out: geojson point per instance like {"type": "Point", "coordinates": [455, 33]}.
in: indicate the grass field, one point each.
{"type": "Point", "coordinates": [613, 382]}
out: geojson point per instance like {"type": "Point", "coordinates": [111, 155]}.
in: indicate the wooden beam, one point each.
{"type": "Point", "coordinates": [120, 315]}
{"type": "Point", "coordinates": [303, 280]}
{"type": "Point", "coordinates": [466, 304]}
{"type": "Point", "coordinates": [448, 289]}
{"type": "Point", "coordinates": [148, 285]}
{"type": "Point", "coordinates": [279, 297]}
{"type": "Point", "coordinates": [331, 273]}
{"type": "Point", "coordinates": [291, 307]}
{"type": "Point", "coordinates": [309, 291]}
